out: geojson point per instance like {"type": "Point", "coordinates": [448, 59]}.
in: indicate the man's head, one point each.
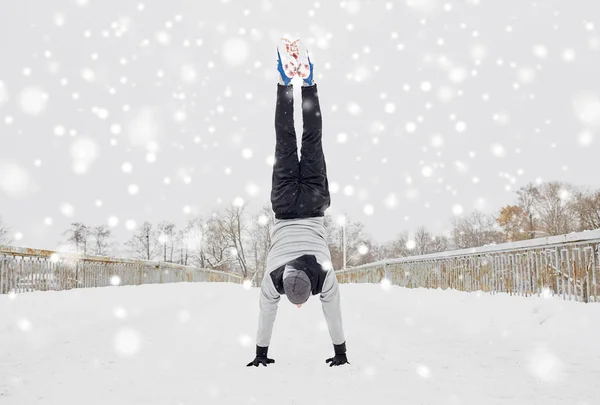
{"type": "Point", "coordinates": [296, 285]}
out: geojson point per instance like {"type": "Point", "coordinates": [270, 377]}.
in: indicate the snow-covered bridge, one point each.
{"type": "Point", "coordinates": [188, 343]}
{"type": "Point", "coordinates": [165, 335]}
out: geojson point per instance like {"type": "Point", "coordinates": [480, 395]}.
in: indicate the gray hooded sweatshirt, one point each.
{"type": "Point", "coordinates": [290, 239]}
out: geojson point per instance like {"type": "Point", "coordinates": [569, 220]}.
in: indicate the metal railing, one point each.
{"type": "Point", "coordinates": [566, 266]}
{"type": "Point", "coordinates": [26, 270]}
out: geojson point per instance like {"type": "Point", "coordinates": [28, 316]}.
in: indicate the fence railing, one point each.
{"type": "Point", "coordinates": [25, 270]}
{"type": "Point", "coordinates": [565, 266]}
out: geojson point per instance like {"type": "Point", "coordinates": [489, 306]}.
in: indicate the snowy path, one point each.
{"type": "Point", "coordinates": [183, 344]}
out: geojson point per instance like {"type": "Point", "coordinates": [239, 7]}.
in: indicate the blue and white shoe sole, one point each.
{"type": "Point", "coordinates": [282, 71]}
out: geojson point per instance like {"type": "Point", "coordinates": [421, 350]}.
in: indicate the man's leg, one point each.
{"type": "Point", "coordinates": [315, 198]}
{"type": "Point", "coordinates": [286, 171]}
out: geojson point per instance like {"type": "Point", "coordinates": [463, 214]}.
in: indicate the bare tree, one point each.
{"type": "Point", "coordinates": [555, 206]}
{"type": "Point", "coordinates": [4, 230]}
{"type": "Point", "coordinates": [182, 243]}
{"type": "Point", "coordinates": [166, 232]}
{"type": "Point", "coordinates": [197, 241]}
{"type": "Point", "coordinates": [217, 247]}
{"type": "Point", "coordinates": [351, 236]}
{"type": "Point", "coordinates": [423, 241]}
{"type": "Point", "coordinates": [101, 235]}
{"type": "Point", "coordinates": [439, 243]}
{"type": "Point", "coordinates": [260, 241]}
{"type": "Point", "coordinates": [587, 209]}
{"type": "Point", "coordinates": [400, 246]}
{"type": "Point", "coordinates": [475, 230]}
{"type": "Point", "coordinates": [380, 251]}
{"type": "Point", "coordinates": [527, 196]}
{"type": "Point", "coordinates": [143, 244]}
{"type": "Point", "coordinates": [78, 237]}
{"type": "Point", "coordinates": [233, 227]}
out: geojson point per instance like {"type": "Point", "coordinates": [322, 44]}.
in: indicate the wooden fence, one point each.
{"type": "Point", "coordinates": [26, 270]}
{"type": "Point", "coordinates": [566, 266]}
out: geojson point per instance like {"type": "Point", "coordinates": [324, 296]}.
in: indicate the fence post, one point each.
{"type": "Point", "coordinates": [385, 271]}
{"type": "Point", "coordinates": [2, 276]}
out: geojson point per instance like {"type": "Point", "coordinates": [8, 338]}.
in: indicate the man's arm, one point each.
{"type": "Point", "coordinates": [330, 299]}
{"type": "Point", "coordinates": [268, 303]}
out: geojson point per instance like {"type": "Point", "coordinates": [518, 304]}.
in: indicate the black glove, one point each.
{"type": "Point", "coordinates": [340, 356]}
{"type": "Point", "coordinates": [261, 357]}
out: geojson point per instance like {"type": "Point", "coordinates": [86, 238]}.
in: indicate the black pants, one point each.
{"type": "Point", "coordinates": [300, 188]}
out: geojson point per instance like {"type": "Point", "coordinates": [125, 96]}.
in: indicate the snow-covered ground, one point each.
{"type": "Point", "coordinates": [183, 344]}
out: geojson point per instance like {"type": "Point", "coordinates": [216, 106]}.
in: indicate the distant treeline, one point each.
{"type": "Point", "coordinates": [238, 241]}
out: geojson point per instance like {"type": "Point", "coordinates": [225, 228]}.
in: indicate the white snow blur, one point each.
{"type": "Point", "coordinates": [15, 181]}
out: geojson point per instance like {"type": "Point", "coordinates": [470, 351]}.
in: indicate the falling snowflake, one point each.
{"type": "Point", "coordinates": [391, 201]}
{"type": "Point", "coordinates": [498, 150]}
{"type": "Point", "coordinates": [133, 189]}
{"type": "Point", "coordinates": [457, 75]}
{"type": "Point", "coordinates": [235, 51]}
{"type": "Point", "coordinates": [67, 210]}
{"type": "Point", "coordinates": [83, 153]}
{"type": "Point", "coordinates": [544, 365]}
{"type": "Point", "coordinates": [247, 153]}
{"type": "Point", "coordinates": [32, 100]}
{"type": "Point", "coordinates": [423, 371]}
{"type": "Point", "coordinates": [568, 55]}
{"type": "Point", "coordinates": [354, 109]}
{"type": "Point", "coordinates": [143, 128]}
{"type": "Point", "coordinates": [127, 342]}
{"type": "Point", "coordinates": [113, 221]}
{"type": "Point", "coordinates": [25, 325]}
{"type": "Point", "coordinates": [238, 202]}
{"type": "Point", "coordinates": [587, 108]}
{"type": "Point", "coordinates": [437, 141]}
{"type": "Point", "coordinates": [585, 138]}
{"type": "Point", "coordinates": [120, 312]}
{"type": "Point", "coordinates": [3, 93]}
{"type": "Point", "coordinates": [14, 180]}
{"type": "Point", "coordinates": [252, 189]}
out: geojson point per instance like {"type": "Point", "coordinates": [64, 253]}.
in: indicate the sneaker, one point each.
{"type": "Point", "coordinates": [292, 48]}
{"type": "Point", "coordinates": [287, 64]}
{"type": "Point", "coordinates": [305, 66]}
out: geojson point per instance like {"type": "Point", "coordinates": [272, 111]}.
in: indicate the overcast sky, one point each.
{"type": "Point", "coordinates": [118, 112]}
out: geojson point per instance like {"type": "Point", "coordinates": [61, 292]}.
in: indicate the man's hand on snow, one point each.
{"type": "Point", "coordinates": [337, 360]}
{"type": "Point", "coordinates": [340, 356]}
{"type": "Point", "coordinates": [260, 360]}
{"type": "Point", "coordinates": [261, 357]}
